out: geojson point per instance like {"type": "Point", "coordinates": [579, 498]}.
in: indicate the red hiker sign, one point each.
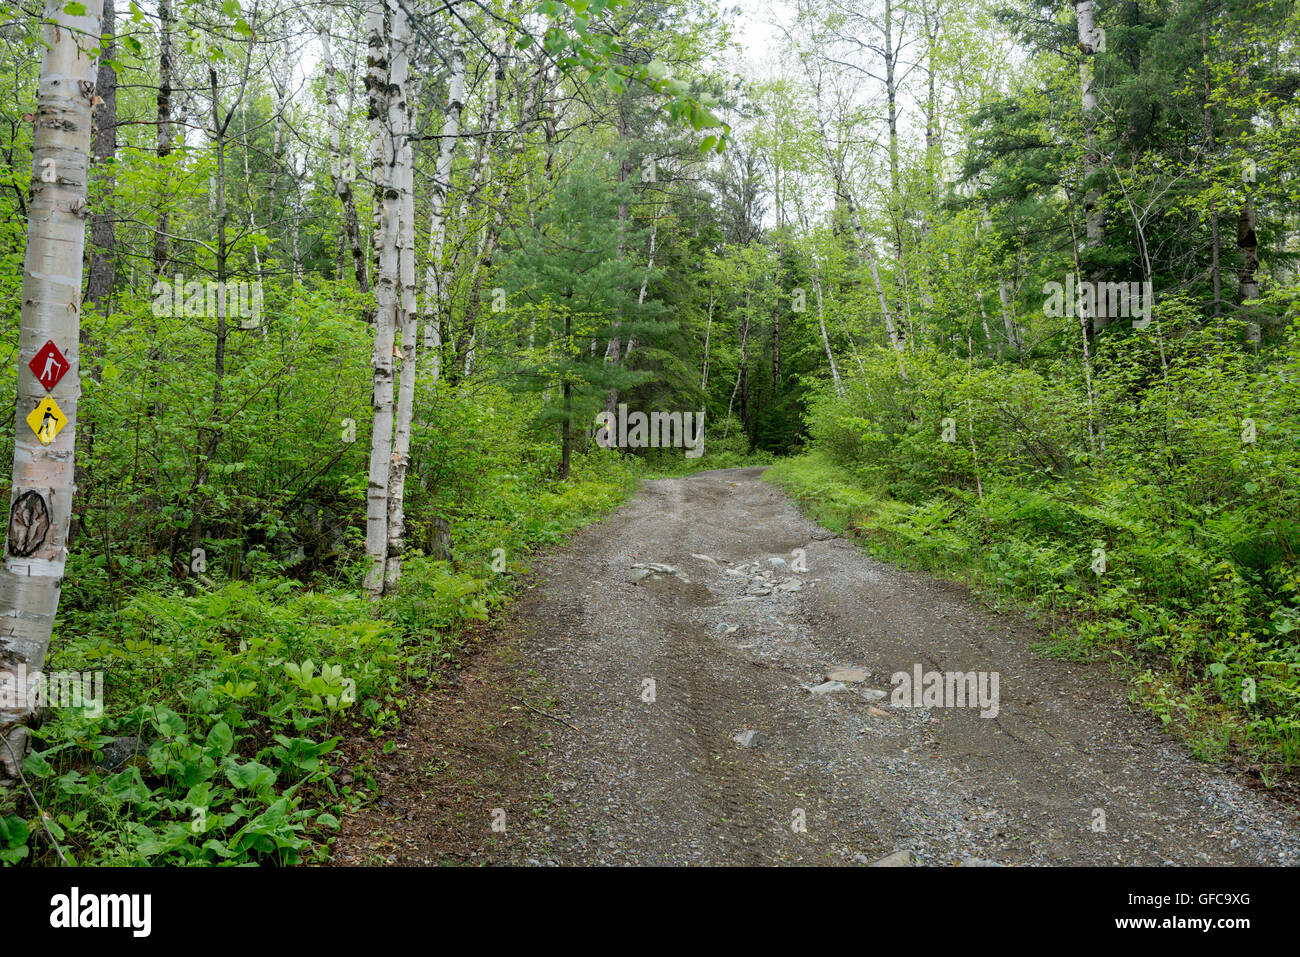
{"type": "Point", "coordinates": [48, 365]}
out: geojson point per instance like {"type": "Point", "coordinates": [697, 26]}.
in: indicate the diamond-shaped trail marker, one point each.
{"type": "Point", "coordinates": [49, 365]}
{"type": "Point", "coordinates": [47, 420]}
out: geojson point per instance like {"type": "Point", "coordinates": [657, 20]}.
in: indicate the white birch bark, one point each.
{"type": "Point", "coordinates": [496, 204]}
{"type": "Point", "coordinates": [488, 139]}
{"type": "Point", "coordinates": [386, 282]}
{"type": "Point", "coordinates": [708, 329]}
{"type": "Point", "coordinates": [1008, 316]}
{"type": "Point", "coordinates": [340, 171]}
{"type": "Point", "coordinates": [43, 479]}
{"type": "Point", "coordinates": [826, 340]}
{"type": "Point", "coordinates": [433, 285]}
{"type": "Point", "coordinates": [868, 252]}
{"type": "Point", "coordinates": [640, 297]}
{"type": "Point", "coordinates": [401, 114]}
{"type": "Point", "coordinates": [984, 323]}
{"type": "Point", "coordinates": [280, 79]}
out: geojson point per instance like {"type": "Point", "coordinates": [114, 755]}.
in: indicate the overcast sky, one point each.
{"type": "Point", "coordinates": [756, 35]}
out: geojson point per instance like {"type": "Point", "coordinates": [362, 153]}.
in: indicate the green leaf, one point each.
{"type": "Point", "coordinates": [220, 739]}
{"type": "Point", "coordinates": [127, 786]}
{"type": "Point", "coordinates": [250, 777]}
{"type": "Point", "coordinates": [13, 830]}
{"type": "Point", "coordinates": [36, 765]}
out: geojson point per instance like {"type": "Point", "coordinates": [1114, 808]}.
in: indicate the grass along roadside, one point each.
{"type": "Point", "coordinates": [1197, 662]}
{"type": "Point", "coordinates": [224, 712]}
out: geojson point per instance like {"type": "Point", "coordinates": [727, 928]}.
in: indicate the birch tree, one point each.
{"type": "Point", "coordinates": [386, 280]}
{"type": "Point", "coordinates": [826, 340]}
{"type": "Point", "coordinates": [40, 500]}
{"type": "Point", "coordinates": [401, 120]}
{"type": "Point", "coordinates": [341, 169]}
{"type": "Point", "coordinates": [433, 281]}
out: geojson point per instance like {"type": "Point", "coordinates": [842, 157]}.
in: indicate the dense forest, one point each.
{"type": "Point", "coordinates": [354, 304]}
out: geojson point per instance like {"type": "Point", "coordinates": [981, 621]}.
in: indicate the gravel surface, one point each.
{"type": "Point", "coordinates": [721, 668]}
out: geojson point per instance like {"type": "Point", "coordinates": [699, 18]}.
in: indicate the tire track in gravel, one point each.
{"type": "Point", "coordinates": [663, 781]}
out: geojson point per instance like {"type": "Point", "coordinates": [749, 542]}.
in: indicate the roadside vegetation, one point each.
{"type": "Point", "coordinates": [1172, 554]}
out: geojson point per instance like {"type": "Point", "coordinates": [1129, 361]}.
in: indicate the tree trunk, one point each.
{"type": "Point", "coordinates": [340, 170]}
{"type": "Point", "coordinates": [1208, 122]}
{"type": "Point", "coordinates": [708, 328]}
{"type": "Point", "coordinates": [1094, 222]}
{"type": "Point", "coordinates": [280, 82]}
{"type": "Point", "coordinates": [742, 380]}
{"type": "Point", "coordinates": [99, 283]}
{"type": "Point", "coordinates": [776, 345]}
{"type": "Point", "coordinates": [826, 340]}
{"type": "Point", "coordinates": [43, 478]}
{"type": "Point", "coordinates": [386, 282]}
{"type": "Point", "coordinates": [433, 284]}
{"type": "Point", "coordinates": [868, 252]}
{"type": "Point", "coordinates": [164, 141]}
{"type": "Point", "coordinates": [1009, 324]}
{"type": "Point", "coordinates": [896, 339]}
{"type": "Point", "coordinates": [612, 399]}
{"type": "Point", "coordinates": [891, 97]}
{"type": "Point", "coordinates": [464, 340]}
{"type": "Point", "coordinates": [566, 430]}
{"type": "Point", "coordinates": [210, 434]}
{"type": "Point", "coordinates": [401, 114]}
{"type": "Point", "coordinates": [1248, 280]}
{"type": "Point", "coordinates": [613, 349]}
{"type": "Point", "coordinates": [490, 234]}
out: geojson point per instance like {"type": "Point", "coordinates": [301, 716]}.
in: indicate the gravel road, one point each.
{"type": "Point", "coordinates": [677, 642]}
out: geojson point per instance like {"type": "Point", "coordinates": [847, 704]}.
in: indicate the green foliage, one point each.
{"type": "Point", "coordinates": [1199, 528]}
{"type": "Point", "coordinates": [239, 695]}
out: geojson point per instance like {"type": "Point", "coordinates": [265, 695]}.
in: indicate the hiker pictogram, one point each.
{"type": "Point", "coordinates": [49, 365]}
{"type": "Point", "coordinates": [47, 420]}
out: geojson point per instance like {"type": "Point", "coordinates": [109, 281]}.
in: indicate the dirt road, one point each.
{"type": "Point", "coordinates": [652, 678]}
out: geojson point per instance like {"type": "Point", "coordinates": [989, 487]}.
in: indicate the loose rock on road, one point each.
{"type": "Point", "coordinates": [716, 671]}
